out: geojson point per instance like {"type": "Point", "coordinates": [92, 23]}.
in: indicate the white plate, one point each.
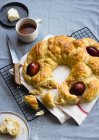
{"type": "Point", "coordinates": [24, 128]}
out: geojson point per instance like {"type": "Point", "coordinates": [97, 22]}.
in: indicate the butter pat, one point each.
{"type": "Point", "coordinates": [10, 126]}
{"type": "Point", "coordinates": [13, 14]}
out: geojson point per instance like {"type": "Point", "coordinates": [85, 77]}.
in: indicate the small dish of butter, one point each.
{"type": "Point", "coordinates": [10, 13]}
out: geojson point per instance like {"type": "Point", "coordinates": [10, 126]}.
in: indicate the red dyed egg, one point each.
{"type": "Point", "coordinates": [77, 88]}
{"type": "Point", "coordinates": [33, 68]}
{"type": "Point", "coordinates": [92, 51]}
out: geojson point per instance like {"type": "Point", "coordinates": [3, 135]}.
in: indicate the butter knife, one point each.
{"type": "Point", "coordinates": [16, 68]}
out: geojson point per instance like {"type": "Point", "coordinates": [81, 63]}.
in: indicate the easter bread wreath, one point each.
{"type": "Point", "coordinates": [82, 56]}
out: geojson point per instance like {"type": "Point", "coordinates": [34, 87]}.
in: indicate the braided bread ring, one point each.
{"type": "Point", "coordinates": [73, 53]}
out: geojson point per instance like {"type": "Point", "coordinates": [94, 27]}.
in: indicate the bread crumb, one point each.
{"type": "Point", "coordinates": [39, 113]}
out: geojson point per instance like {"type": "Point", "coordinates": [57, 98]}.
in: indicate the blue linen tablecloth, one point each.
{"type": "Point", "coordinates": [58, 17]}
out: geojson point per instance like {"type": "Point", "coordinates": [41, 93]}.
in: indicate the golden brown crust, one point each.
{"type": "Point", "coordinates": [79, 72]}
{"type": "Point", "coordinates": [48, 100]}
{"type": "Point", "coordinates": [37, 52]}
{"type": "Point", "coordinates": [64, 95]}
{"type": "Point", "coordinates": [77, 56]}
{"type": "Point", "coordinates": [79, 43]}
{"type": "Point", "coordinates": [93, 63]}
{"type": "Point", "coordinates": [44, 72]}
{"type": "Point", "coordinates": [84, 42]}
{"type": "Point", "coordinates": [69, 51]}
{"type": "Point", "coordinates": [91, 92]}
{"type": "Point", "coordinates": [32, 101]}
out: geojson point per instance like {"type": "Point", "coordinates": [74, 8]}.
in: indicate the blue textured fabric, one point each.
{"type": "Point", "coordinates": [58, 17]}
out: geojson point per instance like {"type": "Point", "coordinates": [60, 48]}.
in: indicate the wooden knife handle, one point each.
{"type": "Point", "coordinates": [16, 73]}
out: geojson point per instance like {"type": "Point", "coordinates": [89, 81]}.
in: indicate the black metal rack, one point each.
{"type": "Point", "coordinates": [84, 33]}
{"type": "Point", "coordinates": [19, 92]}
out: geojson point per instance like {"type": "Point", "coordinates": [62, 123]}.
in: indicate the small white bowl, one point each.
{"type": "Point", "coordinates": [28, 37]}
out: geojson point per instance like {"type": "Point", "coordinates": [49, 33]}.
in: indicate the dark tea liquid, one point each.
{"type": "Point", "coordinates": [27, 29]}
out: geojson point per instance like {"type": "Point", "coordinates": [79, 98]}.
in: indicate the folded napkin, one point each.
{"type": "Point", "coordinates": [78, 112]}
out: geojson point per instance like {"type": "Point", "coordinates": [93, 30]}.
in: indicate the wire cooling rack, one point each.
{"type": "Point", "coordinates": [83, 33]}
{"type": "Point", "coordinates": [19, 92]}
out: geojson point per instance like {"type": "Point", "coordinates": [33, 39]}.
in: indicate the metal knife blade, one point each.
{"type": "Point", "coordinates": [16, 69]}
{"type": "Point", "coordinates": [12, 51]}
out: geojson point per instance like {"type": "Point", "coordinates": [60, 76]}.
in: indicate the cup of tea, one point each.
{"type": "Point", "coordinates": [27, 29]}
